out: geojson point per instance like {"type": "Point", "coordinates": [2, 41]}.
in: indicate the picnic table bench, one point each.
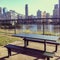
{"type": "Point", "coordinates": [47, 55]}
{"type": "Point", "coordinates": [36, 38]}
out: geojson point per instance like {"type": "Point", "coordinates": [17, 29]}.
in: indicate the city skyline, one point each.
{"type": "Point", "coordinates": [33, 5]}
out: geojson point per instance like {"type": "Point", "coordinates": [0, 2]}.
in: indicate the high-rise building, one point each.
{"type": "Point", "coordinates": [47, 15]}
{"type": "Point", "coordinates": [59, 10]}
{"type": "Point", "coordinates": [56, 12]}
{"type": "Point", "coordinates": [11, 14]}
{"type": "Point", "coordinates": [26, 11]}
{"type": "Point", "coordinates": [38, 14]}
{"type": "Point", "coordinates": [20, 16]}
{"type": "Point", "coordinates": [1, 10]}
{"type": "Point", "coordinates": [4, 10]}
{"type": "Point", "coordinates": [44, 16]}
{"type": "Point", "coordinates": [56, 6]}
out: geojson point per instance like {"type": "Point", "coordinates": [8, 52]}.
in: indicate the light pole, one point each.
{"type": "Point", "coordinates": [14, 25]}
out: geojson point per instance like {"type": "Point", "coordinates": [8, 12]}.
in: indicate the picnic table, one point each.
{"type": "Point", "coordinates": [37, 38]}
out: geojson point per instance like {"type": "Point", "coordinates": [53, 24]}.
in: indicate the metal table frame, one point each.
{"type": "Point", "coordinates": [24, 36]}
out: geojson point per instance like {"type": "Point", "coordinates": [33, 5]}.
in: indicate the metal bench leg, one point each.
{"type": "Point", "coordinates": [44, 45]}
{"type": "Point", "coordinates": [48, 58]}
{"type": "Point", "coordinates": [25, 43]}
{"type": "Point", "coordinates": [56, 48]}
{"type": "Point", "coordinates": [9, 52]}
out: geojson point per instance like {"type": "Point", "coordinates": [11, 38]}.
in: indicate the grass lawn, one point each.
{"type": "Point", "coordinates": [6, 37]}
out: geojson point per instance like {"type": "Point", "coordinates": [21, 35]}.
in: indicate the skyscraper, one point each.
{"type": "Point", "coordinates": [59, 10]}
{"type": "Point", "coordinates": [56, 11]}
{"type": "Point", "coordinates": [38, 14]}
{"type": "Point", "coordinates": [56, 6]}
{"type": "Point", "coordinates": [4, 10]}
{"type": "Point", "coordinates": [4, 13]}
{"type": "Point", "coordinates": [47, 15]}
{"type": "Point", "coordinates": [11, 14]}
{"type": "Point", "coordinates": [44, 14]}
{"type": "Point", "coordinates": [26, 11]}
{"type": "Point", "coordinates": [1, 10]}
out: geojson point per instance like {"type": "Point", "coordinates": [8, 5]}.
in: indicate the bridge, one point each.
{"type": "Point", "coordinates": [32, 21]}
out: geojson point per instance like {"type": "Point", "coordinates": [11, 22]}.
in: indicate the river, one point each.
{"type": "Point", "coordinates": [47, 28]}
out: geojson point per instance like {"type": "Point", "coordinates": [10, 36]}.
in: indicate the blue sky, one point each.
{"type": "Point", "coordinates": [34, 5]}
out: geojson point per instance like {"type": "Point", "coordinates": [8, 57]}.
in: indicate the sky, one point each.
{"type": "Point", "coordinates": [33, 5]}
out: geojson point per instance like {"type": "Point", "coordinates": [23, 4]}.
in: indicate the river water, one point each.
{"type": "Point", "coordinates": [47, 28]}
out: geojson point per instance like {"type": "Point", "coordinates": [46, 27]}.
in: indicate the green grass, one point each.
{"type": "Point", "coordinates": [4, 39]}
